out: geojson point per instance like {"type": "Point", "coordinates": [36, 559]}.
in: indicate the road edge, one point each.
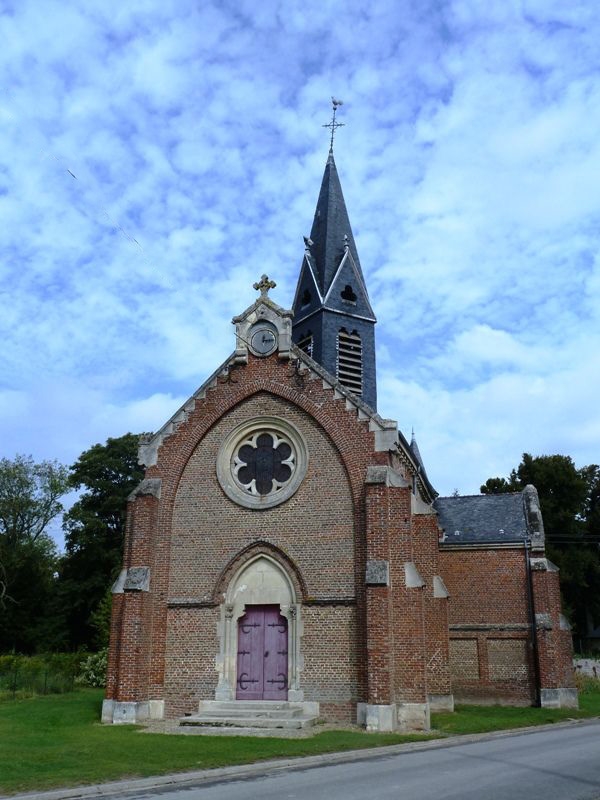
{"type": "Point", "coordinates": [206, 777]}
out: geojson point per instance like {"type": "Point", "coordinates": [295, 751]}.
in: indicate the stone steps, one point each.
{"type": "Point", "coordinates": [252, 714]}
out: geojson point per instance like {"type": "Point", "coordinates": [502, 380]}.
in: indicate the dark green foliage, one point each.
{"type": "Point", "coordinates": [94, 530]}
{"type": "Point", "coordinates": [26, 620]}
{"type": "Point", "coordinates": [26, 676]}
{"type": "Point", "coordinates": [570, 501]}
{"type": "Point", "coordinates": [501, 485]}
{"type": "Point", "coordinates": [563, 491]}
{"type": "Point", "coordinates": [100, 620]}
{"type": "Point", "coordinates": [29, 499]}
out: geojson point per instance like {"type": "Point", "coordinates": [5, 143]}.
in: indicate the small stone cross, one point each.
{"type": "Point", "coordinates": [264, 285]}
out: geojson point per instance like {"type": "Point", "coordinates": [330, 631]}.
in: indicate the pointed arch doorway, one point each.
{"type": "Point", "coordinates": [260, 630]}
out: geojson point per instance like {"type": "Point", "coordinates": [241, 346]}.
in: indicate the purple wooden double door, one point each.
{"type": "Point", "coordinates": [262, 658]}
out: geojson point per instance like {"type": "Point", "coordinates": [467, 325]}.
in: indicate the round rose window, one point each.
{"type": "Point", "coordinates": [262, 462]}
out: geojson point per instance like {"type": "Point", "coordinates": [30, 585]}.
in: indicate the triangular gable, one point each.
{"type": "Point", "coordinates": [307, 288]}
{"type": "Point", "coordinates": [348, 292]}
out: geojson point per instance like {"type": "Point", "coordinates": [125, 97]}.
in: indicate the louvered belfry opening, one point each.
{"type": "Point", "coordinates": [349, 360]}
{"type": "Point", "coordinates": [306, 343]}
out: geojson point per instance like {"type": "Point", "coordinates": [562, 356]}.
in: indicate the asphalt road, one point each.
{"type": "Point", "coordinates": [553, 764]}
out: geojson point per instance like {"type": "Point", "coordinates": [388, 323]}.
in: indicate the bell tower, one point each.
{"type": "Point", "coordinates": [333, 319]}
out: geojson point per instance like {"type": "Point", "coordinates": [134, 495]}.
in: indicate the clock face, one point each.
{"type": "Point", "coordinates": [263, 340]}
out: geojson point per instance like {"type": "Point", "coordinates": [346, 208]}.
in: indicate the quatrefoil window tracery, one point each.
{"type": "Point", "coordinates": [264, 463]}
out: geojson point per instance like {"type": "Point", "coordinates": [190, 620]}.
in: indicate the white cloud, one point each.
{"type": "Point", "coordinates": [469, 163]}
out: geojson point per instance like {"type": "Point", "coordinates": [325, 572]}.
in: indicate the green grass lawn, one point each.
{"type": "Point", "coordinates": [57, 740]}
{"type": "Point", "coordinates": [480, 719]}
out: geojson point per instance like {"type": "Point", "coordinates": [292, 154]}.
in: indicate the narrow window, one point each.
{"type": "Point", "coordinates": [306, 298]}
{"type": "Point", "coordinates": [349, 294]}
{"type": "Point", "coordinates": [305, 342]}
{"type": "Point", "coordinates": [349, 360]}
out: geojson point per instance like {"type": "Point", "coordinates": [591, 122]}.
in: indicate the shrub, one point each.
{"type": "Point", "coordinates": [93, 669]}
{"type": "Point", "coordinates": [50, 673]}
{"type": "Point", "coordinates": [586, 684]}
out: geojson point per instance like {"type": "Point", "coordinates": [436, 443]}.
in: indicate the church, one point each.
{"type": "Point", "coordinates": [287, 557]}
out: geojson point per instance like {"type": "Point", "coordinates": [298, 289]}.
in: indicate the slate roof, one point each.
{"type": "Point", "coordinates": [482, 517]}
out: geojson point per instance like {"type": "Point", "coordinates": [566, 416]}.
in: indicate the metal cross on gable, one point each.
{"type": "Point", "coordinates": [333, 124]}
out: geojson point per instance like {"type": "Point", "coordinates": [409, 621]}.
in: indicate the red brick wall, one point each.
{"type": "Point", "coordinates": [330, 673]}
{"type": "Point", "coordinates": [407, 632]}
{"type": "Point", "coordinates": [315, 528]}
{"type": "Point", "coordinates": [195, 536]}
{"type": "Point", "coordinates": [555, 648]}
{"type": "Point", "coordinates": [315, 531]}
{"type": "Point", "coordinates": [491, 658]}
{"type": "Point", "coordinates": [190, 659]}
{"type": "Point", "coordinates": [198, 531]}
{"type": "Point", "coordinates": [437, 675]}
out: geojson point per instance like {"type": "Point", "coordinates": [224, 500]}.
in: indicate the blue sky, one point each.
{"type": "Point", "coordinates": [157, 157]}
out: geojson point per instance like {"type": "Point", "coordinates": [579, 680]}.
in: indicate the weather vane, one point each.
{"type": "Point", "coordinates": [333, 124]}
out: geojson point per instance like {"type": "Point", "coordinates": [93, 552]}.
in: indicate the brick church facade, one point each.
{"type": "Point", "coordinates": [286, 543]}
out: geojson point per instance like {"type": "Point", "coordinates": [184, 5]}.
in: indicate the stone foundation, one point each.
{"type": "Point", "coordinates": [404, 717]}
{"type": "Point", "coordinates": [440, 702]}
{"type": "Point", "coordinates": [129, 713]}
{"type": "Point", "coordinates": [559, 698]}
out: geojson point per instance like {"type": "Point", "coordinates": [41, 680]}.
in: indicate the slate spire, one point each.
{"type": "Point", "coordinates": [333, 318]}
{"type": "Point", "coordinates": [331, 225]}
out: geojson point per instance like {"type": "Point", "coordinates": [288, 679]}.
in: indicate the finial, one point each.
{"type": "Point", "coordinates": [346, 242]}
{"type": "Point", "coordinates": [308, 242]}
{"type": "Point", "coordinates": [333, 124]}
{"type": "Point", "coordinates": [264, 285]}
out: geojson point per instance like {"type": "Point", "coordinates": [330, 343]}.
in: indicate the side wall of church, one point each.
{"type": "Point", "coordinates": [437, 671]}
{"type": "Point", "coordinates": [491, 657]}
{"type": "Point", "coordinates": [128, 671]}
{"type": "Point", "coordinates": [554, 642]}
{"type": "Point", "coordinates": [407, 633]}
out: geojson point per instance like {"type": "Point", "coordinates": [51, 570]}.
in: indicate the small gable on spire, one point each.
{"type": "Point", "coordinates": [308, 296]}
{"type": "Point", "coordinates": [347, 292]}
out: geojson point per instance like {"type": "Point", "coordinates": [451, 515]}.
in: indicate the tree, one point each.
{"type": "Point", "coordinates": [94, 531]}
{"type": "Point", "coordinates": [501, 485]}
{"type": "Point", "coordinates": [29, 500]}
{"type": "Point", "coordinates": [570, 501]}
{"type": "Point", "coordinates": [29, 497]}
